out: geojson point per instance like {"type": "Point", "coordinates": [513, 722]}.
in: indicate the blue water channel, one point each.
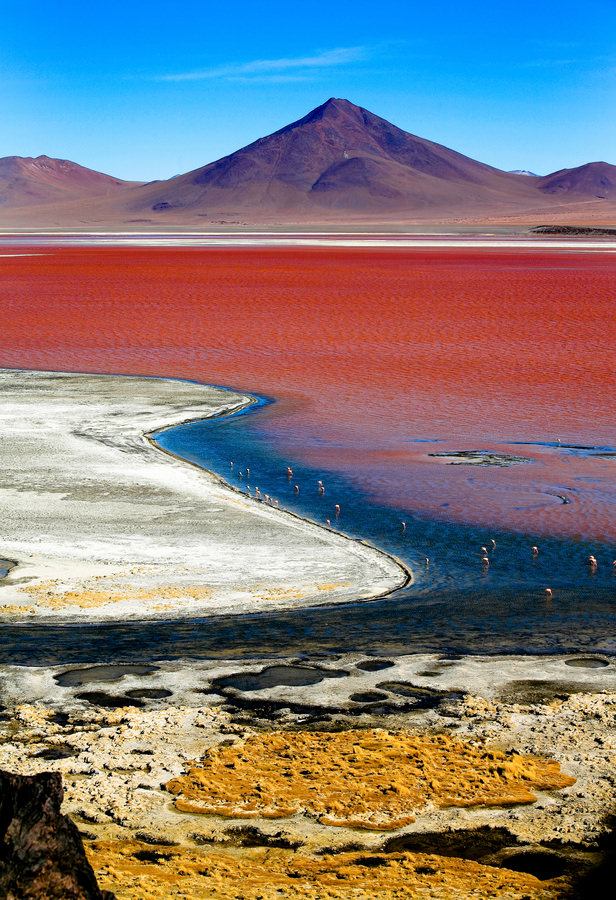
{"type": "Point", "coordinates": [455, 604]}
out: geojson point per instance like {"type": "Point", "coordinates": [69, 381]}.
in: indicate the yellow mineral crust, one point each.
{"type": "Point", "coordinates": [278, 594]}
{"type": "Point", "coordinates": [136, 871]}
{"type": "Point", "coordinates": [359, 779]}
{"type": "Point", "coordinates": [50, 595]}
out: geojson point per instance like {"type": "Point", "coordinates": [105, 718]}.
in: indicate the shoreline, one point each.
{"type": "Point", "coordinates": [151, 438]}
{"type": "Point", "coordinates": [348, 574]}
{"type": "Point", "coordinates": [317, 239]}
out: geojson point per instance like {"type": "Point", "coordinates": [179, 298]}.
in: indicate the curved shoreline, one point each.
{"type": "Point", "coordinates": [151, 438]}
{"type": "Point", "coordinates": [286, 562]}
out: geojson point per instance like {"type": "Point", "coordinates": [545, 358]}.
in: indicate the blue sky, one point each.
{"type": "Point", "coordinates": [150, 89]}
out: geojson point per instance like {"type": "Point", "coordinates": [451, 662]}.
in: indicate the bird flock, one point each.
{"type": "Point", "coordinates": [485, 551]}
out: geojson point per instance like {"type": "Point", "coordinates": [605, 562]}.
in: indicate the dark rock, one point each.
{"type": "Point", "coordinates": [41, 851]}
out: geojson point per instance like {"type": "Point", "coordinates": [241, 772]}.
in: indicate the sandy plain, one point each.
{"type": "Point", "coordinates": [102, 524]}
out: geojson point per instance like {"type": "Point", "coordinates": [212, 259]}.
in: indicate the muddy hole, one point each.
{"type": "Point", "coordinates": [148, 693]}
{"type": "Point", "coordinates": [276, 676]}
{"type": "Point", "coordinates": [423, 697]}
{"type": "Point", "coordinates": [530, 691]}
{"type": "Point", "coordinates": [541, 864]}
{"type": "Point", "coordinates": [94, 674]}
{"type": "Point", "coordinates": [108, 701]}
{"type": "Point", "coordinates": [368, 697]}
{"type": "Point", "coordinates": [581, 662]}
{"type": "Point", "coordinates": [62, 751]}
{"type": "Point", "coordinates": [374, 665]}
{"type": "Point", "coordinates": [372, 862]}
{"type": "Point", "coordinates": [151, 856]}
{"type": "Point", "coordinates": [251, 836]}
{"type": "Point", "coordinates": [472, 843]}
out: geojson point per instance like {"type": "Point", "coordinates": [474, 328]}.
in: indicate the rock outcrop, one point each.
{"type": "Point", "coordinates": [41, 852]}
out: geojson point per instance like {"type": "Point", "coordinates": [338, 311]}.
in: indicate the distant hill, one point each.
{"type": "Point", "coordinates": [31, 181]}
{"type": "Point", "coordinates": [523, 172]}
{"type": "Point", "coordinates": [339, 163]}
{"type": "Point", "coordinates": [595, 179]}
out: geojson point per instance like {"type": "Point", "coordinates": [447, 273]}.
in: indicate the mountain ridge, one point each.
{"type": "Point", "coordinates": [339, 162]}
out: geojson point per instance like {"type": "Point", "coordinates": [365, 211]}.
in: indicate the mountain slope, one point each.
{"type": "Point", "coordinates": [32, 181]}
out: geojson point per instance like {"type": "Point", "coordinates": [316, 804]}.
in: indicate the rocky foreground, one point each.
{"type": "Point", "coordinates": [474, 798]}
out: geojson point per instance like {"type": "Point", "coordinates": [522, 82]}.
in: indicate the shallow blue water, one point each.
{"type": "Point", "coordinates": [454, 605]}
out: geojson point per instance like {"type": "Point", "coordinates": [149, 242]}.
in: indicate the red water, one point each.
{"type": "Point", "coordinates": [368, 351]}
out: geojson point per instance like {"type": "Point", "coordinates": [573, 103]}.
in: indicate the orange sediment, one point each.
{"type": "Point", "coordinates": [136, 871]}
{"type": "Point", "coordinates": [372, 779]}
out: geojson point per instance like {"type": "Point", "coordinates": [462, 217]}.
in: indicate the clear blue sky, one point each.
{"type": "Point", "coordinates": [150, 89]}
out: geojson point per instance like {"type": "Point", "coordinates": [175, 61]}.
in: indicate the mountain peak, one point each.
{"type": "Point", "coordinates": [332, 109]}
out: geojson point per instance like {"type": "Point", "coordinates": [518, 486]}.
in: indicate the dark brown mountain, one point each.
{"type": "Point", "coordinates": [339, 157]}
{"type": "Point", "coordinates": [595, 179]}
{"type": "Point", "coordinates": [31, 181]}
